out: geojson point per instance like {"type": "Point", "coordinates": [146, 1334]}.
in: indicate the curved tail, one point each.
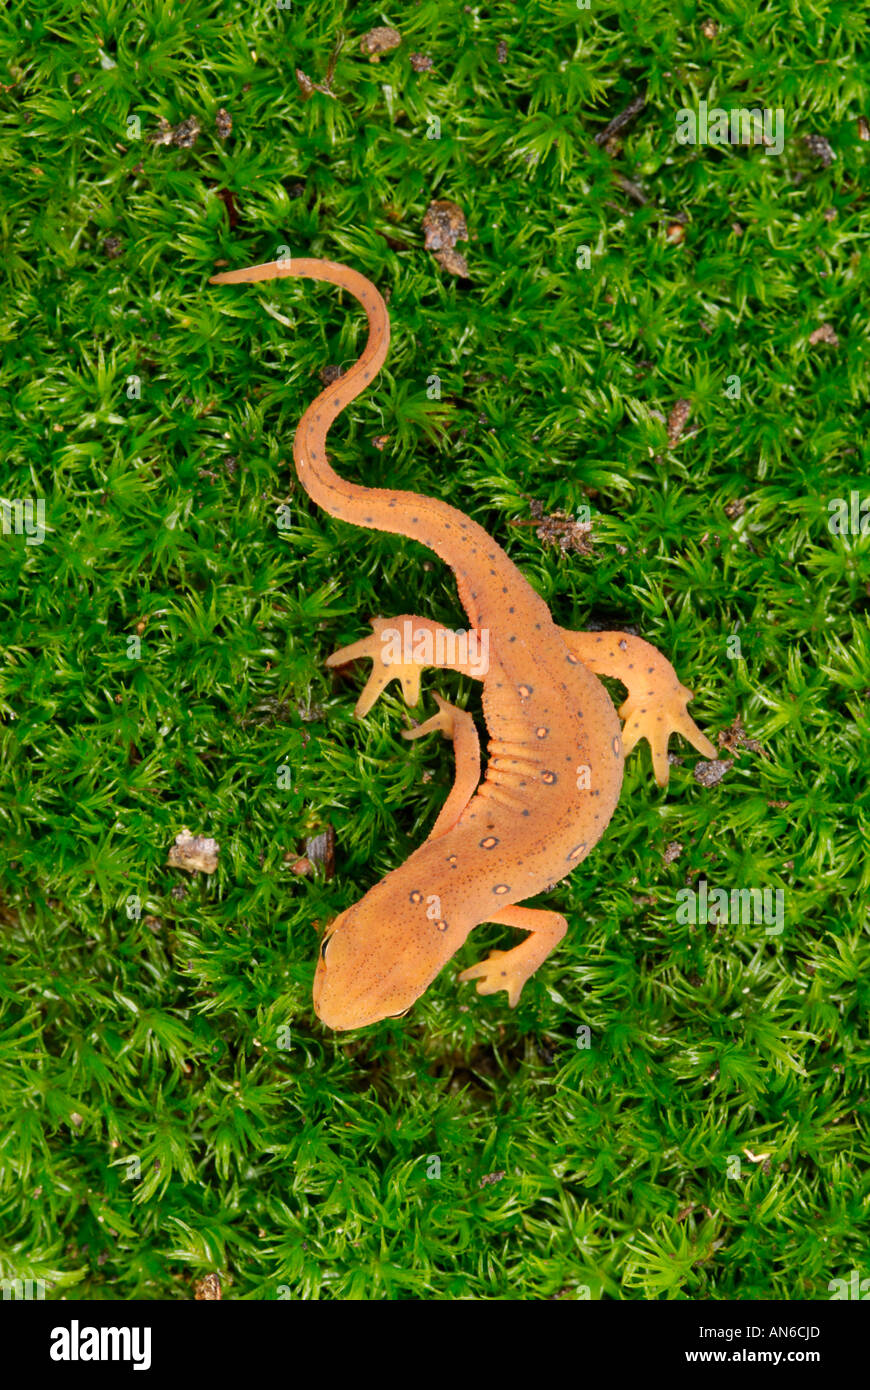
{"type": "Point", "coordinates": [454, 537]}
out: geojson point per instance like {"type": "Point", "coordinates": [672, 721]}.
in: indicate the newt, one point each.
{"type": "Point", "coordinates": [556, 748]}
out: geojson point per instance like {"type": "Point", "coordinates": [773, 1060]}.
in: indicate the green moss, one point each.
{"type": "Point", "coordinates": [170, 1103]}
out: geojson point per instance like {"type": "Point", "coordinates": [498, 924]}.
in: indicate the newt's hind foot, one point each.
{"type": "Point", "coordinates": [655, 719]}
{"type": "Point", "coordinates": [656, 703]}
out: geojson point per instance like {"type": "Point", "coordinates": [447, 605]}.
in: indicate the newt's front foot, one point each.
{"type": "Point", "coordinates": [400, 648]}
{"type": "Point", "coordinates": [381, 647]}
{"type": "Point", "coordinates": [655, 717]}
{"type": "Point", "coordinates": [510, 969]}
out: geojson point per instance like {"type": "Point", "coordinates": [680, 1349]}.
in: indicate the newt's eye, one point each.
{"type": "Point", "coordinates": [402, 1014]}
{"type": "Point", "coordinates": [323, 945]}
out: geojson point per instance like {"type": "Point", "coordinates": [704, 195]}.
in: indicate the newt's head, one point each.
{"type": "Point", "coordinates": [380, 955]}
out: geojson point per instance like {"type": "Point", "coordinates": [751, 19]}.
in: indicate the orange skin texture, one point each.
{"type": "Point", "coordinates": [556, 746]}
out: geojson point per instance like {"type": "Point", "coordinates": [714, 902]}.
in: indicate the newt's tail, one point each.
{"type": "Point", "coordinates": [456, 539]}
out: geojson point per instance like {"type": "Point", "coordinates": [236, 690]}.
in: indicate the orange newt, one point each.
{"type": "Point", "coordinates": [556, 749]}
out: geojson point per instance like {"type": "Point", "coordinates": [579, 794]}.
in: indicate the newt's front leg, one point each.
{"type": "Point", "coordinates": [401, 647]}
{"type": "Point", "coordinates": [656, 703]}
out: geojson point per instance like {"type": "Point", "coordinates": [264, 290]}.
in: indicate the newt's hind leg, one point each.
{"type": "Point", "coordinates": [401, 647]}
{"type": "Point", "coordinates": [510, 969]}
{"type": "Point", "coordinates": [656, 704]}
{"type": "Point", "coordinates": [458, 725]}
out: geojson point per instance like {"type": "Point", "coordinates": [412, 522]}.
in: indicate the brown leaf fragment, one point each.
{"type": "Point", "coordinates": [821, 148]}
{"type": "Point", "coordinates": [566, 532]}
{"type": "Point", "coordinates": [379, 40]}
{"type": "Point", "coordinates": [492, 1177]}
{"type": "Point", "coordinates": [223, 123]}
{"type": "Point", "coordinates": [421, 62]}
{"type": "Point", "coordinates": [381, 441]}
{"type": "Point", "coordinates": [208, 1289]}
{"type": "Point", "coordinates": [320, 849]}
{"type": "Point", "coordinates": [501, 53]}
{"type": "Point", "coordinates": [330, 373]}
{"type": "Point", "coordinates": [823, 334]}
{"type": "Point", "coordinates": [634, 107]}
{"type": "Point", "coordinates": [672, 852]}
{"type": "Point", "coordinates": [709, 774]}
{"type": "Point", "coordinates": [186, 134]}
{"type": "Point", "coordinates": [444, 225]}
{"type": "Point", "coordinates": [164, 133]}
{"type": "Point", "coordinates": [735, 508]}
{"type": "Point", "coordinates": [452, 261]}
{"type": "Point", "coordinates": [863, 128]}
{"type": "Point", "coordinates": [229, 203]}
{"type": "Point", "coordinates": [197, 854]}
{"type": "Point", "coordinates": [735, 737]}
{"type": "Point", "coordinates": [677, 420]}
{"type": "Point", "coordinates": [308, 88]}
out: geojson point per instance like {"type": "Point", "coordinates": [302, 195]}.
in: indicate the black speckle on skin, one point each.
{"type": "Point", "coordinates": [549, 777]}
{"type": "Point", "coordinates": [541, 731]}
{"type": "Point", "coordinates": [416, 896]}
{"type": "Point", "coordinates": [573, 660]}
{"type": "Point", "coordinates": [501, 888]}
{"type": "Point", "coordinates": [617, 746]}
{"type": "Point", "coordinates": [576, 852]}
{"type": "Point", "coordinates": [441, 926]}
{"type": "Point", "coordinates": [489, 842]}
